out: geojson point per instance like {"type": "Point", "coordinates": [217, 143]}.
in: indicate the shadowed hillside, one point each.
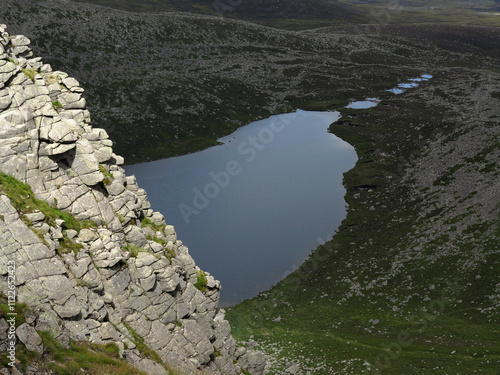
{"type": "Point", "coordinates": [243, 9]}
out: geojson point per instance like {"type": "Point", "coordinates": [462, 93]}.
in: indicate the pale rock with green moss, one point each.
{"type": "Point", "coordinates": [121, 275]}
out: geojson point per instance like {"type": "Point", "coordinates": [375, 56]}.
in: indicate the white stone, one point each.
{"type": "Point", "coordinates": [63, 131]}
{"type": "Point", "coordinates": [29, 337]}
{"type": "Point", "coordinates": [20, 40]}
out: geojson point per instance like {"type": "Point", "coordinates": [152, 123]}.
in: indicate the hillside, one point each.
{"type": "Point", "coordinates": [187, 78]}
{"type": "Point", "coordinates": [326, 10]}
{"type": "Point", "coordinates": [190, 79]}
{"type": "Point", "coordinates": [298, 15]}
{"type": "Point", "coordinates": [410, 282]}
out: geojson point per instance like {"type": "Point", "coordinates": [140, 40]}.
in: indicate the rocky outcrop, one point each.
{"type": "Point", "coordinates": [121, 272]}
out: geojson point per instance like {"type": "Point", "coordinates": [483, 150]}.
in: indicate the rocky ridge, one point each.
{"type": "Point", "coordinates": [128, 273]}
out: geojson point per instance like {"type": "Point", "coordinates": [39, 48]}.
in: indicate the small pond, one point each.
{"type": "Point", "coordinates": [364, 104]}
{"type": "Point", "coordinates": [401, 88]}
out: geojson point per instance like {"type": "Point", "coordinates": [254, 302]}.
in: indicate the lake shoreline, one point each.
{"type": "Point", "coordinates": [283, 169]}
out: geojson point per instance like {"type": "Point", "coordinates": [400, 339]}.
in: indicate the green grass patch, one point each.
{"type": "Point", "coordinates": [57, 105]}
{"type": "Point", "coordinates": [156, 239]}
{"type": "Point", "coordinates": [332, 334]}
{"type": "Point", "coordinates": [19, 308]}
{"type": "Point", "coordinates": [84, 357]}
{"type": "Point", "coordinates": [30, 73]}
{"type": "Point", "coordinates": [24, 201]}
{"type": "Point", "coordinates": [108, 176]}
{"type": "Point", "coordinates": [217, 352]}
{"type": "Point", "coordinates": [146, 222]}
{"type": "Point", "coordinates": [201, 281]}
{"type": "Point", "coordinates": [170, 254]}
{"type": "Point", "coordinates": [67, 245]}
{"type": "Point", "coordinates": [159, 240]}
{"type": "Point", "coordinates": [133, 250]}
{"type": "Point", "coordinates": [143, 348]}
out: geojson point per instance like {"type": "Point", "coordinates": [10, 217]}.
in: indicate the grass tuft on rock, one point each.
{"type": "Point", "coordinates": [22, 198]}
{"type": "Point", "coordinates": [201, 283]}
{"type": "Point", "coordinates": [30, 73]}
{"type": "Point", "coordinates": [84, 357]}
{"type": "Point", "coordinates": [67, 245]}
{"type": "Point", "coordinates": [57, 105]}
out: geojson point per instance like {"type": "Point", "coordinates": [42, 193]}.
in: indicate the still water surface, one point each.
{"type": "Point", "coordinates": [252, 209]}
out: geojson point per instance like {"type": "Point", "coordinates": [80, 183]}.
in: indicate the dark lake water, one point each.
{"type": "Point", "coordinates": [252, 209]}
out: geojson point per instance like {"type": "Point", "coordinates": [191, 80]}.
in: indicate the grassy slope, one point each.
{"type": "Point", "coordinates": [445, 12]}
{"type": "Point", "coordinates": [297, 15]}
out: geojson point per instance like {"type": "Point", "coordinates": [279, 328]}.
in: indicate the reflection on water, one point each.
{"type": "Point", "coordinates": [413, 82]}
{"type": "Point", "coordinates": [396, 91]}
{"type": "Point", "coordinates": [408, 85]}
{"type": "Point", "coordinates": [364, 104]}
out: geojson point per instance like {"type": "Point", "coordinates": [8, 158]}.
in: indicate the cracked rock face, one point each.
{"type": "Point", "coordinates": [128, 273]}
